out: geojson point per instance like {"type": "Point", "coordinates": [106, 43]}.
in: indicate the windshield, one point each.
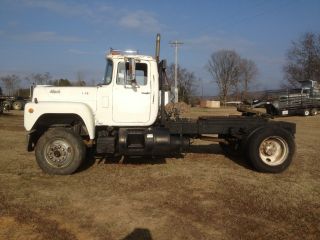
{"type": "Point", "coordinates": [108, 73]}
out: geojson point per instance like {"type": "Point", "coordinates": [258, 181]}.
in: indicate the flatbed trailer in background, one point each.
{"type": "Point", "coordinates": [304, 101]}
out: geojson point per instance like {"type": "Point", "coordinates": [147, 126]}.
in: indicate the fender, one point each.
{"type": "Point", "coordinates": [33, 111]}
{"type": "Point", "coordinates": [287, 126]}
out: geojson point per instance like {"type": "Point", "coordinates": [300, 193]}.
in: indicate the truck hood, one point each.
{"type": "Point", "coordinates": [45, 93]}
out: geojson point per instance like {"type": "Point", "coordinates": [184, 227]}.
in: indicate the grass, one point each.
{"type": "Point", "coordinates": [200, 195]}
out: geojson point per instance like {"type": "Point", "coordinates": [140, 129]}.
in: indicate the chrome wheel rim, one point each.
{"type": "Point", "coordinates": [58, 153]}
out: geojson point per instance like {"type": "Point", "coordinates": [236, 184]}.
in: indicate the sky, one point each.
{"type": "Point", "coordinates": [68, 38]}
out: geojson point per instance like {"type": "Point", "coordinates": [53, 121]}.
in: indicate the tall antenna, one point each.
{"type": "Point", "coordinates": [176, 44]}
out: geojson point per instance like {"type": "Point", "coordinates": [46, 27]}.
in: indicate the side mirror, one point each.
{"type": "Point", "coordinates": [131, 70]}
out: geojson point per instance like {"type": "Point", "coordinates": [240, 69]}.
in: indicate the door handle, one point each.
{"type": "Point", "coordinates": [145, 92]}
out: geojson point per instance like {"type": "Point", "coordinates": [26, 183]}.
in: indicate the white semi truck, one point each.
{"type": "Point", "coordinates": [125, 115]}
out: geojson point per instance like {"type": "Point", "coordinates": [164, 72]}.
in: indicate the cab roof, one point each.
{"type": "Point", "coordinates": [118, 54]}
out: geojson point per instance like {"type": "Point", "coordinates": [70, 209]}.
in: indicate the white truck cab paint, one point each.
{"type": "Point", "coordinates": [121, 103]}
{"type": "Point", "coordinates": [116, 102]}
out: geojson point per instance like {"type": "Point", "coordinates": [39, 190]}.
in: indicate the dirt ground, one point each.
{"type": "Point", "coordinates": [201, 195]}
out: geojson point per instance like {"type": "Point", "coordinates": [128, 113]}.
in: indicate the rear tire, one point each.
{"type": "Point", "coordinates": [271, 149]}
{"type": "Point", "coordinates": [314, 112]}
{"type": "Point", "coordinates": [17, 105]}
{"type": "Point", "coordinates": [6, 105]}
{"type": "Point", "coordinates": [60, 151]}
{"type": "Point", "coordinates": [306, 112]}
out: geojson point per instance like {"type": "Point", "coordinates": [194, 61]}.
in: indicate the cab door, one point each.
{"type": "Point", "coordinates": [132, 100]}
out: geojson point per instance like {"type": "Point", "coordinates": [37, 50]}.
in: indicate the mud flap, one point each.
{"type": "Point", "coordinates": [31, 140]}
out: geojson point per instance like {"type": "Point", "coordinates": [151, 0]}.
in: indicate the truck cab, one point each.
{"type": "Point", "coordinates": [129, 95]}
{"type": "Point", "coordinates": [125, 98]}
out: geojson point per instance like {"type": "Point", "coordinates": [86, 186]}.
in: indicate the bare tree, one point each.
{"type": "Point", "coordinates": [186, 83]}
{"type": "Point", "coordinates": [224, 67]}
{"type": "Point", "coordinates": [248, 73]}
{"type": "Point", "coordinates": [232, 73]}
{"type": "Point", "coordinates": [80, 79]}
{"type": "Point", "coordinates": [60, 82]}
{"type": "Point", "coordinates": [39, 78]}
{"type": "Point", "coordinates": [303, 60]}
{"type": "Point", "coordinates": [11, 83]}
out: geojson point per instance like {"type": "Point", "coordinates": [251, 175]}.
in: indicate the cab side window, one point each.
{"type": "Point", "coordinates": [141, 73]}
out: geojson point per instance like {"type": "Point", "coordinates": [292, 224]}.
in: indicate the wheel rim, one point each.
{"type": "Point", "coordinates": [273, 150]}
{"type": "Point", "coordinates": [314, 112]}
{"type": "Point", "coordinates": [6, 106]}
{"type": "Point", "coordinates": [17, 106]}
{"type": "Point", "coordinates": [58, 153]}
{"type": "Point", "coordinates": [306, 112]}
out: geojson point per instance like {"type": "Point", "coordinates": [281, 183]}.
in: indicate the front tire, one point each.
{"type": "Point", "coordinates": [271, 150]}
{"type": "Point", "coordinates": [60, 151]}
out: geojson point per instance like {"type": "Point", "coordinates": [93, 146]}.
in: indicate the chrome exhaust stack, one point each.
{"type": "Point", "coordinates": [158, 48]}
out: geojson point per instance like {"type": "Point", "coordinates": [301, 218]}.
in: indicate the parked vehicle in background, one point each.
{"type": "Point", "coordinates": [303, 101]}
{"type": "Point", "coordinates": [2, 109]}
{"type": "Point", "coordinates": [13, 103]}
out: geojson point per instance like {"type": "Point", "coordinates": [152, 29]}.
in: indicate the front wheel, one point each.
{"type": "Point", "coordinates": [271, 149]}
{"type": "Point", "coordinates": [60, 151]}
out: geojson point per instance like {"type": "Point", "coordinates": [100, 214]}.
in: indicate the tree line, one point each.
{"type": "Point", "coordinates": [233, 74]}
{"type": "Point", "coordinates": [12, 83]}
{"type": "Point", "coordinates": [303, 60]}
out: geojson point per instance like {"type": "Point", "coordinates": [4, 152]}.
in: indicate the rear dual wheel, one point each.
{"type": "Point", "coordinates": [314, 112]}
{"type": "Point", "coordinates": [6, 105]}
{"type": "Point", "coordinates": [306, 112]}
{"type": "Point", "coordinates": [17, 105]}
{"type": "Point", "coordinates": [271, 149]}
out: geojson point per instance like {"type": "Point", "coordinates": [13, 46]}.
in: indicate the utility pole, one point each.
{"type": "Point", "coordinates": [176, 44]}
{"type": "Point", "coordinates": [201, 88]}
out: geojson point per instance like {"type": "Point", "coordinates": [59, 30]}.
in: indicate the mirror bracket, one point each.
{"type": "Point", "coordinates": [131, 69]}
